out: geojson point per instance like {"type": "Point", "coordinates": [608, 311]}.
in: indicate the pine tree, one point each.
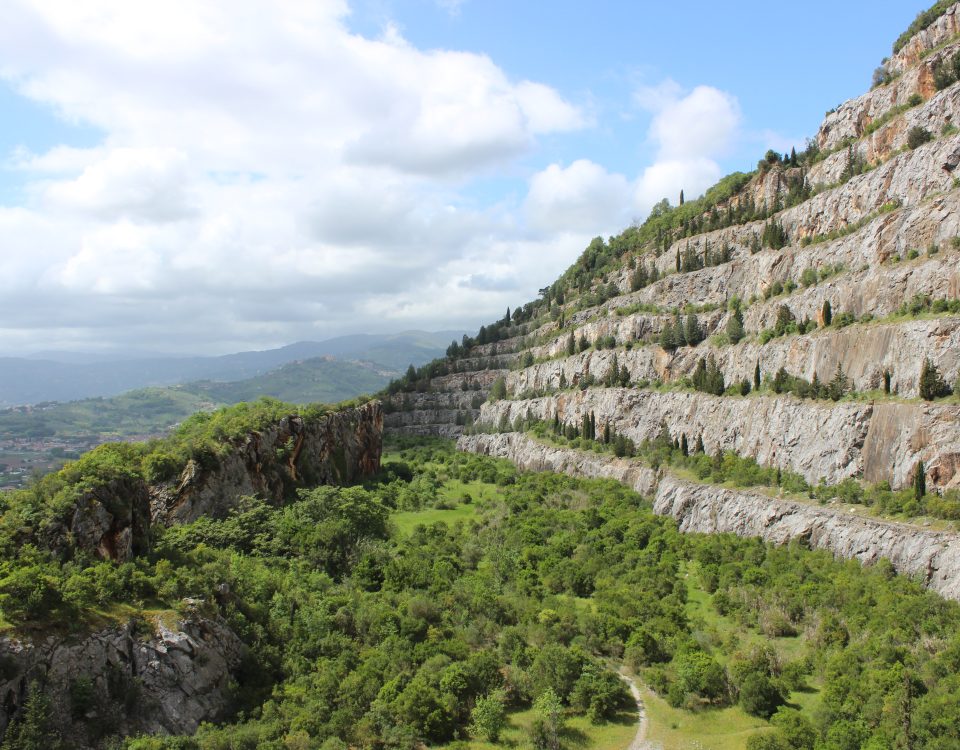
{"type": "Point", "coordinates": [33, 729]}
{"type": "Point", "coordinates": [793, 157]}
{"type": "Point", "coordinates": [919, 482]}
{"type": "Point", "coordinates": [839, 385]}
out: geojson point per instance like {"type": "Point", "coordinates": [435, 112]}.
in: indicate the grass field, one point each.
{"type": "Point", "coordinates": [724, 728]}
{"type": "Point", "coordinates": [580, 734]}
{"type": "Point", "coordinates": [715, 729]}
{"type": "Point", "coordinates": [405, 522]}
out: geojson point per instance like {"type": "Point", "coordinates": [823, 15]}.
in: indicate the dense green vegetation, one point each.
{"type": "Point", "coordinates": [363, 636]}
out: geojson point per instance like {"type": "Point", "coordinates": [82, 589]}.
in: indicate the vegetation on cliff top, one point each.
{"type": "Point", "coordinates": [923, 20]}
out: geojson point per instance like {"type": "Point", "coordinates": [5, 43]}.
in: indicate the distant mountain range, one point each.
{"type": "Point", "coordinates": [67, 376]}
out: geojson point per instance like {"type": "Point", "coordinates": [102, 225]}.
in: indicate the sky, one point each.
{"type": "Point", "coordinates": [201, 178]}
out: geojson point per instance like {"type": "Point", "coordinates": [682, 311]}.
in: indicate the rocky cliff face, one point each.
{"type": "Point", "coordinates": [819, 440]}
{"type": "Point", "coordinates": [874, 232]}
{"type": "Point", "coordinates": [932, 556]}
{"type": "Point", "coordinates": [150, 676]}
{"type": "Point", "coordinates": [112, 521]}
{"type": "Point", "coordinates": [338, 448]}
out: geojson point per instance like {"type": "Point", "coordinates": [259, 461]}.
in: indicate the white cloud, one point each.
{"type": "Point", "coordinates": [690, 131]}
{"type": "Point", "coordinates": [265, 175]}
{"type": "Point", "coordinates": [577, 198]}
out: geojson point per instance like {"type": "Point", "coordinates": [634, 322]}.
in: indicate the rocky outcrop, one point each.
{"type": "Point", "coordinates": [149, 676]}
{"type": "Point", "coordinates": [112, 520]}
{"type": "Point", "coordinates": [867, 250]}
{"type": "Point", "coordinates": [337, 448]}
{"type": "Point", "coordinates": [529, 455]}
{"type": "Point", "coordinates": [941, 111]}
{"type": "Point", "coordinates": [819, 440]}
{"type": "Point", "coordinates": [942, 30]}
{"type": "Point", "coordinates": [932, 556]}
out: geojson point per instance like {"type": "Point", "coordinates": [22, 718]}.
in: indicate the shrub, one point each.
{"type": "Point", "coordinates": [917, 136]}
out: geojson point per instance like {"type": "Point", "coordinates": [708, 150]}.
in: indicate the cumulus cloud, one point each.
{"type": "Point", "coordinates": [690, 130]}
{"type": "Point", "coordinates": [577, 197]}
{"type": "Point", "coordinates": [265, 174]}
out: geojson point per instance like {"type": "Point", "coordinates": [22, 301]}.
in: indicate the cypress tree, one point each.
{"type": "Point", "coordinates": [593, 426]}
{"type": "Point", "coordinates": [681, 197]}
{"type": "Point", "coordinates": [678, 260]}
{"type": "Point", "coordinates": [735, 330]}
{"type": "Point", "coordinates": [932, 384]}
{"type": "Point", "coordinates": [606, 433]}
{"type": "Point", "coordinates": [692, 332]}
{"type": "Point", "coordinates": [827, 313]}
{"type": "Point", "coordinates": [756, 376]}
{"type": "Point", "coordinates": [571, 345]}
{"type": "Point", "coordinates": [563, 381]}
{"type": "Point", "coordinates": [919, 482]}
{"type": "Point", "coordinates": [684, 448]}
{"type": "Point", "coordinates": [699, 446]}
{"type": "Point", "coordinates": [886, 381]}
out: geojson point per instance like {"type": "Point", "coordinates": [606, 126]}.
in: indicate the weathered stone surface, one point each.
{"type": "Point", "coordinates": [850, 119]}
{"type": "Point", "coordinates": [146, 677]}
{"type": "Point", "coordinates": [337, 448]}
{"type": "Point", "coordinates": [864, 352]}
{"type": "Point", "coordinates": [943, 29]}
{"type": "Point", "coordinates": [868, 251]}
{"type": "Point", "coordinates": [819, 440]}
{"type": "Point", "coordinates": [940, 111]}
{"type": "Point", "coordinates": [932, 556]}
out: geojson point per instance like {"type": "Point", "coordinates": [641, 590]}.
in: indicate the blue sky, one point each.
{"type": "Point", "coordinates": [245, 174]}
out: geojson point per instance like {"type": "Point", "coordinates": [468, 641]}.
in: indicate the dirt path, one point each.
{"type": "Point", "coordinates": [640, 739]}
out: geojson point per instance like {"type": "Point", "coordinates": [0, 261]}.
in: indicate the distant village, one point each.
{"type": "Point", "coordinates": [24, 458]}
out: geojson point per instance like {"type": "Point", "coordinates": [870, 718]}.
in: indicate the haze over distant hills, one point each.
{"type": "Point", "coordinates": [68, 376]}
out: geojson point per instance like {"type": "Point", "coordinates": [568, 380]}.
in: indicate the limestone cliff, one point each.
{"type": "Point", "coordinates": [146, 676]}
